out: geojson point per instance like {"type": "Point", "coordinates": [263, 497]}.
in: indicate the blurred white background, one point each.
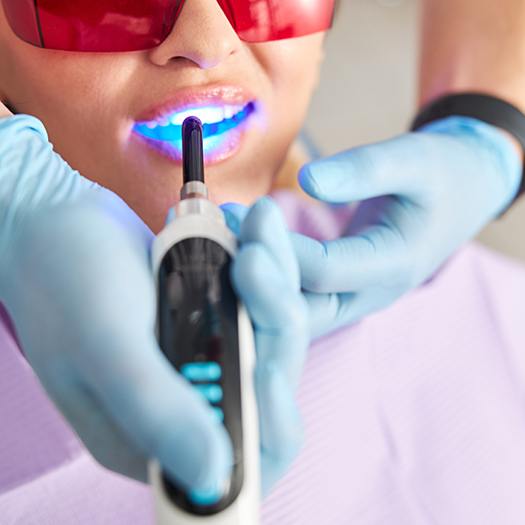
{"type": "Point", "coordinates": [368, 91]}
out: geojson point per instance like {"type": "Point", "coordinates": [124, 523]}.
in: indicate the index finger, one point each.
{"type": "Point", "coordinates": [374, 257]}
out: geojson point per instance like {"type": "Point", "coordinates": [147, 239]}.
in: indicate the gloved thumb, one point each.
{"type": "Point", "coordinates": [387, 168]}
{"type": "Point", "coordinates": [234, 215]}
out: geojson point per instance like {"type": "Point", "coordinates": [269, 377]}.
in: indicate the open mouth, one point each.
{"type": "Point", "coordinates": [222, 126]}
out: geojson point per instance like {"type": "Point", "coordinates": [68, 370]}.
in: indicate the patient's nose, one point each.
{"type": "Point", "coordinates": [202, 34]}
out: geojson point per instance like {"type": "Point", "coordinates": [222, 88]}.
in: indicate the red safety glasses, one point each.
{"type": "Point", "coordinates": [133, 25]}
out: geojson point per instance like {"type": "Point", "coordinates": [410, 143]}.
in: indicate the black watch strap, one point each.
{"type": "Point", "coordinates": [486, 108]}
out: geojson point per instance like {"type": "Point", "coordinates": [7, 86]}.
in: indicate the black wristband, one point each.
{"type": "Point", "coordinates": [486, 108]}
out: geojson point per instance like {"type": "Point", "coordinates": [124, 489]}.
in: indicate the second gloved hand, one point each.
{"type": "Point", "coordinates": [420, 195]}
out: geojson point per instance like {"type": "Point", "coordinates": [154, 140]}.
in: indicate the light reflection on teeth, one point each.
{"type": "Point", "coordinates": [216, 120]}
{"type": "Point", "coordinates": [219, 129]}
{"type": "Point", "coordinates": [207, 115]}
{"type": "Point", "coordinates": [229, 111]}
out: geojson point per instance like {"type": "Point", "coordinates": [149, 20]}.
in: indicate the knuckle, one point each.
{"type": "Point", "coordinates": [367, 162]}
{"type": "Point", "coordinates": [298, 316]}
{"type": "Point", "coordinates": [319, 278]}
{"type": "Point", "coordinates": [248, 267]}
{"type": "Point", "coordinates": [317, 284]}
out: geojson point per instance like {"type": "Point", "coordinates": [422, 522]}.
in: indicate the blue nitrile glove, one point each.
{"type": "Point", "coordinates": [423, 195]}
{"type": "Point", "coordinates": [75, 277]}
{"type": "Point", "coordinates": [265, 274]}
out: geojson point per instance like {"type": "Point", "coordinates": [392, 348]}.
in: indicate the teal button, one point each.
{"type": "Point", "coordinates": [208, 371]}
{"type": "Point", "coordinates": [213, 393]}
{"type": "Point", "coordinates": [219, 414]}
{"type": "Point", "coordinates": [205, 497]}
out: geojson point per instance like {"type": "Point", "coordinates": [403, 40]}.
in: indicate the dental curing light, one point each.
{"type": "Point", "coordinates": [206, 334]}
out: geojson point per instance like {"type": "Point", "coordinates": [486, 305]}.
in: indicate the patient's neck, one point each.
{"type": "Point", "coordinates": [287, 176]}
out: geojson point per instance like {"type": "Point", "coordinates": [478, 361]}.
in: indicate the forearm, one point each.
{"type": "Point", "coordinates": [473, 45]}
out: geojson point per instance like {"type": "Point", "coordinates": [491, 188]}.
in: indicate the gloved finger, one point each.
{"type": "Point", "coordinates": [105, 440]}
{"type": "Point", "coordinates": [234, 215]}
{"type": "Point", "coordinates": [391, 167]}
{"type": "Point", "coordinates": [232, 221]}
{"type": "Point", "coordinates": [159, 410]}
{"type": "Point", "coordinates": [277, 310]}
{"type": "Point", "coordinates": [265, 224]}
{"type": "Point", "coordinates": [281, 430]}
{"type": "Point", "coordinates": [378, 256]}
{"type": "Point", "coordinates": [113, 349]}
{"type": "Point", "coordinates": [281, 335]}
{"type": "Point", "coordinates": [332, 311]}
{"type": "Point", "coordinates": [282, 338]}
{"type": "Point", "coordinates": [162, 413]}
{"type": "Point", "coordinates": [25, 139]}
{"type": "Point", "coordinates": [324, 311]}
{"type": "Point", "coordinates": [366, 214]}
{"type": "Point", "coordinates": [157, 407]}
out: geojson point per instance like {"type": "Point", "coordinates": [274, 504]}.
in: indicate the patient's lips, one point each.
{"type": "Point", "coordinates": [225, 112]}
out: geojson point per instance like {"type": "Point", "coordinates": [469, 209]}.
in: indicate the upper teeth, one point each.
{"type": "Point", "coordinates": [207, 115]}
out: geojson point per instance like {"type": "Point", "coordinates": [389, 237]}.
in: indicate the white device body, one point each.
{"type": "Point", "coordinates": [198, 217]}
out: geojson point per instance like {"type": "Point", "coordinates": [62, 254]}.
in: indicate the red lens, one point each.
{"type": "Point", "coordinates": [106, 25]}
{"type": "Point", "coordinates": [133, 25]}
{"type": "Point", "coordinates": [21, 16]}
{"type": "Point", "coordinates": [266, 20]}
{"type": "Point", "coordinates": [93, 25]}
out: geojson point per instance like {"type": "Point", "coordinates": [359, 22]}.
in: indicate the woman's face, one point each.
{"type": "Point", "coordinates": [92, 104]}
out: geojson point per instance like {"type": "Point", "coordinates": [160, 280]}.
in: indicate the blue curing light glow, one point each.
{"type": "Point", "coordinates": [207, 371]}
{"type": "Point", "coordinates": [213, 393]}
{"type": "Point", "coordinates": [170, 132]}
{"type": "Point", "coordinates": [205, 497]}
{"type": "Point", "coordinates": [219, 414]}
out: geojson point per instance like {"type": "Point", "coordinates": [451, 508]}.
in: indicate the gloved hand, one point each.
{"type": "Point", "coordinates": [421, 196]}
{"type": "Point", "coordinates": [75, 277]}
{"type": "Point", "coordinates": [266, 276]}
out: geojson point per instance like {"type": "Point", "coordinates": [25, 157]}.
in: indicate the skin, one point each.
{"type": "Point", "coordinates": [481, 48]}
{"type": "Point", "coordinates": [89, 103]}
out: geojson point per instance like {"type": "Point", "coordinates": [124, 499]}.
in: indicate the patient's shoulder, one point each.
{"type": "Point", "coordinates": [495, 280]}
{"type": "Point", "coordinates": [496, 267]}
{"type": "Point", "coordinates": [493, 283]}
{"type": "Point", "coordinates": [467, 319]}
